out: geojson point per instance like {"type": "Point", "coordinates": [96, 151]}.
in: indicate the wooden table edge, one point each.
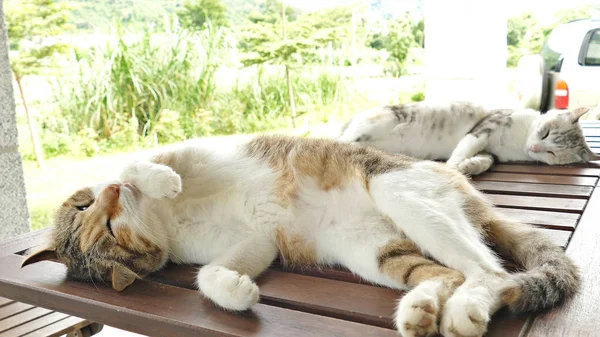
{"type": "Point", "coordinates": [567, 320]}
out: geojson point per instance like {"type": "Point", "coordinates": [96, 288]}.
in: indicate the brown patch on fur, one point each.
{"type": "Point", "coordinates": [94, 221]}
{"type": "Point", "coordinates": [331, 164]}
{"type": "Point", "coordinates": [147, 243]}
{"type": "Point", "coordinates": [511, 296]}
{"type": "Point", "coordinates": [452, 277]}
{"type": "Point", "coordinates": [294, 249]}
{"type": "Point", "coordinates": [397, 249]}
{"type": "Point", "coordinates": [124, 236]}
{"type": "Point", "coordinates": [404, 262]}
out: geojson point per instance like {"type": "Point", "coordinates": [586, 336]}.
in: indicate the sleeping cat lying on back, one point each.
{"type": "Point", "coordinates": [469, 136]}
{"type": "Point", "coordinates": [387, 218]}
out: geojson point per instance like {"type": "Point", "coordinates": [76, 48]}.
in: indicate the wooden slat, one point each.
{"type": "Point", "coordinates": [22, 318]}
{"type": "Point", "coordinates": [543, 190]}
{"type": "Point", "coordinates": [559, 237]}
{"type": "Point", "coordinates": [31, 326]}
{"type": "Point", "coordinates": [4, 301]}
{"type": "Point", "coordinates": [546, 169]}
{"type": "Point", "coordinates": [505, 324]}
{"type": "Point", "coordinates": [538, 203]}
{"type": "Point", "coordinates": [61, 327]}
{"type": "Point", "coordinates": [354, 302]}
{"type": "Point", "coordinates": [157, 309]}
{"type": "Point", "coordinates": [591, 132]}
{"type": "Point", "coordinates": [581, 315]}
{"type": "Point", "coordinates": [541, 179]}
{"type": "Point", "coordinates": [542, 218]}
{"type": "Point", "coordinates": [13, 309]}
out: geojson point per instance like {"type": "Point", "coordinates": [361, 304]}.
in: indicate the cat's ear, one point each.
{"type": "Point", "coordinates": [577, 113]}
{"type": "Point", "coordinates": [122, 277]}
{"type": "Point", "coordinates": [40, 254]}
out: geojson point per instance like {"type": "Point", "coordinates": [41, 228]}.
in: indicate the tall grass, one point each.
{"type": "Point", "coordinates": [161, 85]}
{"type": "Point", "coordinates": [137, 75]}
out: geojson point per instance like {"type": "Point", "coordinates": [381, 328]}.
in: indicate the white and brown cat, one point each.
{"type": "Point", "coordinates": [391, 219]}
{"type": "Point", "coordinates": [469, 136]}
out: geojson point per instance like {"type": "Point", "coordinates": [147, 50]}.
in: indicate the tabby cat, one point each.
{"type": "Point", "coordinates": [392, 220]}
{"type": "Point", "coordinates": [469, 136]}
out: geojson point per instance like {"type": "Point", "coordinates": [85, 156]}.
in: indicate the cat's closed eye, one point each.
{"type": "Point", "coordinates": [546, 134]}
{"type": "Point", "coordinates": [83, 207]}
{"type": "Point", "coordinates": [109, 226]}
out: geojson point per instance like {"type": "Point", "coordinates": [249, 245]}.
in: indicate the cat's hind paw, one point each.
{"type": "Point", "coordinates": [464, 316]}
{"type": "Point", "coordinates": [227, 288]}
{"type": "Point", "coordinates": [417, 314]}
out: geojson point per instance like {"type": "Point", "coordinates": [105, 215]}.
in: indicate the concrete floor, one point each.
{"type": "Point", "coordinates": [109, 331]}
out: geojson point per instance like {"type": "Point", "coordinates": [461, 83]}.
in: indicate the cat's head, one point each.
{"type": "Point", "coordinates": [558, 139]}
{"type": "Point", "coordinates": [105, 233]}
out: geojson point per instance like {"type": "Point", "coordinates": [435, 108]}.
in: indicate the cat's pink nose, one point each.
{"type": "Point", "coordinates": [535, 148]}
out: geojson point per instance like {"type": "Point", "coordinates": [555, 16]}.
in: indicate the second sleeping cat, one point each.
{"type": "Point", "coordinates": [469, 136]}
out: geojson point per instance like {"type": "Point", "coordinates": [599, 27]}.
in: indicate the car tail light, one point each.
{"type": "Point", "coordinates": [561, 95]}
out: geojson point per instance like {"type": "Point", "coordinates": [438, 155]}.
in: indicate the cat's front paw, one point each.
{"type": "Point", "coordinates": [163, 182]}
{"type": "Point", "coordinates": [453, 163]}
{"type": "Point", "coordinates": [153, 180]}
{"type": "Point", "coordinates": [227, 288]}
{"type": "Point", "coordinates": [475, 165]}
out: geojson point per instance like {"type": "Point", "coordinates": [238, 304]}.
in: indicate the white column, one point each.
{"type": "Point", "coordinates": [14, 218]}
{"type": "Point", "coordinates": [465, 51]}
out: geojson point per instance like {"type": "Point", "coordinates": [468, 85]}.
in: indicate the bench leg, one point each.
{"type": "Point", "coordinates": [87, 331]}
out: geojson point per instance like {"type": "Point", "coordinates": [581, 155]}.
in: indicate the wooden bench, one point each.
{"type": "Point", "coordinates": [20, 319]}
{"type": "Point", "coordinates": [564, 201]}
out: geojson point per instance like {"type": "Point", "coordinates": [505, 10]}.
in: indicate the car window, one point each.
{"type": "Point", "coordinates": [592, 57]}
{"type": "Point", "coordinates": [554, 47]}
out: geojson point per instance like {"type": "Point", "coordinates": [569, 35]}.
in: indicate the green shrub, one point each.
{"type": "Point", "coordinates": [168, 129]}
{"type": "Point", "coordinates": [137, 75]}
{"type": "Point", "coordinates": [418, 97]}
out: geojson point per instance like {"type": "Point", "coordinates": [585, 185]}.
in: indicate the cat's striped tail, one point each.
{"type": "Point", "coordinates": [550, 277]}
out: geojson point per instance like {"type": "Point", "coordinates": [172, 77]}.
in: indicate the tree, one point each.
{"type": "Point", "coordinates": [399, 40]}
{"type": "Point", "coordinates": [33, 26]}
{"type": "Point", "coordinates": [196, 14]}
{"type": "Point", "coordinates": [418, 31]}
{"type": "Point", "coordinates": [524, 36]}
{"type": "Point", "coordinates": [577, 13]}
{"type": "Point", "coordinates": [276, 40]}
{"type": "Point", "coordinates": [270, 11]}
